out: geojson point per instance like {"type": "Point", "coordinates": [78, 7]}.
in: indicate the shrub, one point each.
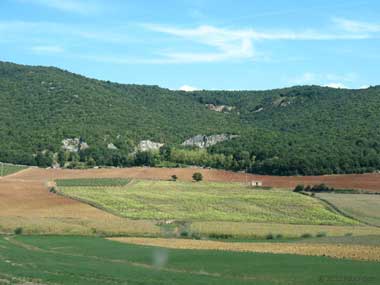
{"type": "Point", "coordinates": [197, 176]}
{"type": "Point", "coordinates": [184, 233]}
{"type": "Point", "coordinates": [18, 231]}
{"type": "Point", "coordinates": [219, 236]}
{"type": "Point", "coordinates": [195, 236]}
{"type": "Point", "coordinates": [174, 177]}
{"type": "Point", "coordinates": [279, 236]}
{"type": "Point", "coordinates": [53, 190]}
{"type": "Point", "coordinates": [299, 188]}
{"type": "Point", "coordinates": [306, 235]}
{"type": "Point", "coordinates": [269, 236]}
{"type": "Point", "coordinates": [322, 234]}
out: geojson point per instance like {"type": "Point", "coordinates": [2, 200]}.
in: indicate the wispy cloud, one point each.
{"type": "Point", "coordinates": [74, 6]}
{"type": "Point", "coordinates": [235, 43]}
{"type": "Point", "coordinates": [330, 79]}
{"type": "Point", "coordinates": [47, 49]}
{"type": "Point", "coordinates": [356, 26]}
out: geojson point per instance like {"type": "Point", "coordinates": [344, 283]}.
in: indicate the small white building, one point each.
{"type": "Point", "coordinates": [256, 183]}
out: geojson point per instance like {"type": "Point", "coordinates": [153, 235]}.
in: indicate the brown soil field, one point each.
{"type": "Point", "coordinates": [357, 252]}
{"type": "Point", "coordinates": [26, 202]}
{"type": "Point", "coordinates": [369, 182]}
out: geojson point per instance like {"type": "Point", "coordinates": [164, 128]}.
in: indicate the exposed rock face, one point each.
{"type": "Point", "coordinates": [74, 145]}
{"type": "Point", "coordinates": [112, 146]}
{"type": "Point", "coordinates": [219, 108]}
{"type": "Point", "coordinates": [203, 141]}
{"type": "Point", "coordinates": [148, 145]}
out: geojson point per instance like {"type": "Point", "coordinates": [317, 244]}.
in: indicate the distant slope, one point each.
{"type": "Point", "coordinates": [299, 130]}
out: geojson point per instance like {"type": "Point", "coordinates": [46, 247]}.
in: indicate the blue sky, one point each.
{"type": "Point", "coordinates": [187, 44]}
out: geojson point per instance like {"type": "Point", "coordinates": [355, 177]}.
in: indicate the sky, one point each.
{"type": "Point", "coordinates": [194, 44]}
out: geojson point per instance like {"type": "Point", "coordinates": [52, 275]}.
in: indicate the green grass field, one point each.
{"type": "Point", "coordinates": [92, 182]}
{"type": "Point", "coordinates": [206, 201]}
{"type": "Point", "coordinates": [84, 260]}
{"type": "Point", "coordinates": [364, 207]}
{"type": "Point", "coordinates": [6, 169]}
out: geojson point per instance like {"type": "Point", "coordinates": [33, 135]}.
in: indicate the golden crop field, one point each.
{"type": "Point", "coordinates": [260, 230]}
{"type": "Point", "coordinates": [358, 252]}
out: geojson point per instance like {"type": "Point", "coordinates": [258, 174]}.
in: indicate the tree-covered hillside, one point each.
{"type": "Point", "coordinates": [299, 130]}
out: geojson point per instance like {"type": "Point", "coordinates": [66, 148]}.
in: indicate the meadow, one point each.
{"type": "Point", "coordinates": [85, 260]}
{"type": "Point", "coordinates": [94, 182]}
{"type": "Point", "coordinates": [7, 169]}
{"type": "Point", "coordinates": [363, 207]}
{"type": "Point", "coordinates": [207, 201]}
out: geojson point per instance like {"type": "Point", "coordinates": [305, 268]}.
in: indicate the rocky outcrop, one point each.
{"type": "Point", "coordinates": [219, 108]}
{"type": "Point", "coordinates": [112, 146]}
{"type": "Point", "coordinates": [147, 145]}
{"type": "Point", "coordinates": [203, 141]}
{"type": "Point", "coordinates": [74, 145]}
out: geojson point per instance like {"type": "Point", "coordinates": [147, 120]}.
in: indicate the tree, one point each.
{"type": "Point", "coordinates": [174, 177]}
{"type": "Point", "coordinates": [197, 176]}
{"type": "Point", "coordinates": [299, 188]}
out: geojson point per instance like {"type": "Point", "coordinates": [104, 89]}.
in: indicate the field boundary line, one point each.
{"type": "Point", "coordinates": [16, 173]}
{"type": "Point", "coordinates": [336, 209]}
{"type": "Point", "coordinates": [87, 202]}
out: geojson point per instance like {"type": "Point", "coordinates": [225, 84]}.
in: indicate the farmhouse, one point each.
{"type": "Point", "coordinates": [255, 183]}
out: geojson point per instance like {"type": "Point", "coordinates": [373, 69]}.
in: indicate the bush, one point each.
{"type": "Point", "coordinates": [318, 188]}
{"type": "Point", "coordinates": [322, 234]}
{"type": "Point", "coordinates": [184, 233]}
{"type": "Point", "coordinates": [269, 236]}
{"type": "Point", "coordinates": [299, 188]}
{"type": "Point", "coordinates": [18, 231]}
{"type": "Point", "coordinates": [174, 177]}
{"type": "Point", "coordinates": [306, 235]}
{"type": "Point", "coordinates": [197, 176]}
{"type": "Point", "coordinates": [279, 236]}
{"type": "Point", "coordinates": [219, 236]}
{"type": "Point", "coordinates": [195, 236]}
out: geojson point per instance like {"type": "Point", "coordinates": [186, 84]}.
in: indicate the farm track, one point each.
{"type": "Point", "coordinates": [354, 252]}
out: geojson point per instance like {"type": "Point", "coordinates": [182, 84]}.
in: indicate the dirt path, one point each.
{"type": "Point", "coordinates": [355, 252]}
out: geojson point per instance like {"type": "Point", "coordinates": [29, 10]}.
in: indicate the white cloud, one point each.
{"type": "Point", "coordinates": [306, 78]}
{"type": "Point", "coordinates": [356, 26]}
{"type": "Point", "coordinates": [334, 80]}
{"type": "Point", "coordinates": [75, 6]}
{"type": "Point", "coordinates": [364, 87]}
{"type": "Point", "coordinates": [336, 85]}
{"type": "Point", "coordinates": [188, 88]}
{"type": "Point", "coordinates": [229, 44]}
{"type": "Point", "coordinates": [47, 49]}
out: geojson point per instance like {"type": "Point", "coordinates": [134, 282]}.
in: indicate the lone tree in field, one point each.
{"type": "Point", "coordinates": [174, 177]}
{"type": "Point", "coordinates": [197, 176]}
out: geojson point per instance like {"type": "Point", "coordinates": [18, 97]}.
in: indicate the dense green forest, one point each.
{"type": "Point", "coordinates": [299, 130]}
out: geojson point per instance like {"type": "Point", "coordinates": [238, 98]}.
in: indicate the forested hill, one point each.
{"type": "Point", "coordinates": [298, 130]}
